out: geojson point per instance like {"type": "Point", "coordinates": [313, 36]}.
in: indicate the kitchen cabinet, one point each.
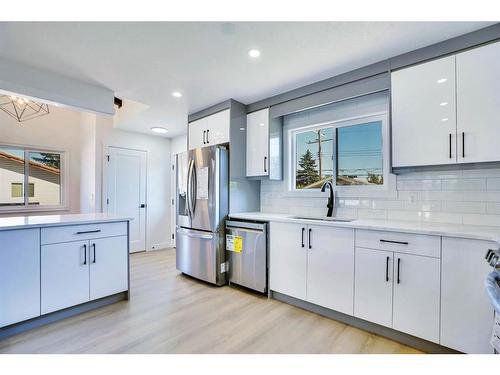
{"type": "Point", "coordinates": [373, 286]}
{"type": "Point", "coordinates": [108, 262]}
{"type": "Point", "coordinates": [313, 263]}
{"type": "Point", "coordinates": [64, 275]}
{"type": "Point", "coordinates": [424, 114]}
{"type": "Point", "coordinates": [330, 267]}
{"type": "Point", "coordinates": [258, 143]}
{"type": "Point", "coordinates": [416, 296]}
{"type": "Point", "coordinates": [478, 104]}
{"type": "Point", "coordinates": [210, 130]}
{"type": "Point", "coordinates": [19, 275]}
{"type": "Point", "coordinates": [466, 312]}
{"type": "Point", "coordinates": [288, 259]}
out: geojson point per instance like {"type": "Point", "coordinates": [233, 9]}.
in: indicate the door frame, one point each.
{"type": "Point", "coordinates": [104, 191]}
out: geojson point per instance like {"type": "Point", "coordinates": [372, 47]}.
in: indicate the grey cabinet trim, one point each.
{"type": "Point", "coordinates": [212, 109]}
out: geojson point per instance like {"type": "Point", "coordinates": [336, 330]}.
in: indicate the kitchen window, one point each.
{"type": "Point", "coordinates": [348, 153]}
{"type": "Point", "coordinates": [31, 179]}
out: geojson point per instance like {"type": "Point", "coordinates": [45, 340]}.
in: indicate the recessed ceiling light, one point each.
{"type": "Point", "coordinates": [254, 53]}
{"type": "Point", "coordinates": [442, 80]}
{"type": "Point", "coordinates": [159, 130]}
{"type": "Point", "coordinates": [242, 129]}
{"type": "Point", "coordinates": [261, 124]}
{"type": "Point", "coordinates": [444, 119]}
{"type": "Point", "coordinates": [443, 104]}
{"type": "Point", "coordinates": [176, 94]}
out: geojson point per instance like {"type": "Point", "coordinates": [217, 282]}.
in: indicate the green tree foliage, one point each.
{"type": "Point", "coordinates": [307, 173]}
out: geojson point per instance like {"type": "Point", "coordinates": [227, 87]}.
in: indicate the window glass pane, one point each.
{"type": "Point", "coordinates": [44, 178]}
{"type": "Point", "coordinates": [313, 155]}
{"type": "Point", "coordinates": [359, 149]}
{"type": "Point", "coordinates": [11, 172]}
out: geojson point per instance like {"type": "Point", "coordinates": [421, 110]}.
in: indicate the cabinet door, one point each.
{"type": "Point", "coordinates": [19, 275]}
{"type": "Point", "coordinates": [416, 296]}
{"type": "Point", "coordinates": [197, 133]}
{"type": "Point", "coordinates": [330, 268]}
{"type": "Point", "coordinates": [423, 114]}
{"type": "Point", "coordinates": [373, 286]}
{"type": "Point", "coordinates": [108, 266]}
{"type": "Point", "coordinates": [258, 143]}
{"type": "Point", "coordinates": [478, 104]}
{"type": "Point", "coordinates": [288, 257]}
{"type": "Point", "coordinates": [466, 312]}
{"type": "Point", "coordinates": [218, 128]}
{"type": "Point", "coordinates": [64, 275]}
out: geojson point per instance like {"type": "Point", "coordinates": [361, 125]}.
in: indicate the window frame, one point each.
{"type": "Point", "coordinates": [64, 180]}
{"type": "Point", "coordinates": [358, 120]}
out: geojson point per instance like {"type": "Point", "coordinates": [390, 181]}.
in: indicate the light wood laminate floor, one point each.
{"type": "Point", "coordinates": [172, 313]}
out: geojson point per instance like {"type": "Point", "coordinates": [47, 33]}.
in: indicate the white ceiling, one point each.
{"type": "Point", "coordinates": [208, 61]}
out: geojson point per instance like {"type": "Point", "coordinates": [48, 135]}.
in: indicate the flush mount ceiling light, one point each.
{"type": "Point", "coordinates": [254, 53]}
{"type": "Point", "coordinates": [442, 80]}
{"type": "Point", "coordinates": [176, 94]}
{"type": "Point", "coordinates": [22, 109]}
{"type": "Point", "coordinates": [159, 130]}
{"type": "Point", "coordinates": [443, 104]}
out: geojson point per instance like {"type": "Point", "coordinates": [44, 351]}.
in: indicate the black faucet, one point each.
{"type": "Point", "coordinates": [330, 204]}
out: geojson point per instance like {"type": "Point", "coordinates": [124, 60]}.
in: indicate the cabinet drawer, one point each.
{"type": "Point", "coordinates": [82, 232]}
{"type": "Point", "coordinates": [419, 244]}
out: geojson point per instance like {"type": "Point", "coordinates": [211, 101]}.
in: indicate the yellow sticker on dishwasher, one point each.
{"type": "Point", "coordinates": [234, 243]}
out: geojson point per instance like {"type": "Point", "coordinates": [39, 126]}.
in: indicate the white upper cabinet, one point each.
{"type": "Point", "coordinates": [210, 130]}
{"type": "Point", "coordinates": [424, 114]}
{"type": "Point", "coordinates": [478, 104]}
{"type": "Point", "coordinates": [330, 267]}
{"type": "Point", "coordinates": [258, 143]}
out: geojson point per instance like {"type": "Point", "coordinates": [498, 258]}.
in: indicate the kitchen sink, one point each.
{"type": "Point", "coordinates": [334, 219]}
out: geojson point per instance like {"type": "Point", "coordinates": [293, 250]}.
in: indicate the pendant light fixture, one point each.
{"type": "Point", "coordinates": [22, 109]}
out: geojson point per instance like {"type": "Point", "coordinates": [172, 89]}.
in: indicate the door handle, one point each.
{"type": "Point", "coordinates": [399, 262]}
{"type": "Point", "coordinates": [450, 146]}
{"type": "Point", "coordinates": [387, 269]}
{"type": "Point", "coordinates": [93, 245]}
{"type": "Point", "coordinates": [396, 242]}
{"type": "Point", "coordinates": [207, 135]}
{"type": "Point", "coordinates": [303, 230]}
{"type": "Point", "coordinates": [463, 144]}
{"type": "Point", "coordinates": [204, 132]}
{"type": "Point", "coordinates": [84, 254]}
{"type": "Point", "coordinates": [143, 205]}
{"type": "Point", "coordinates": [309, 238]}
{"type": "Point", "coordinates": [265, 164]}
{"type": "Point", "coordinates": [88, 231]}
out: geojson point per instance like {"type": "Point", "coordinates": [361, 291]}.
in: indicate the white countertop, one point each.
{"type": "Point", "coordinates": [25, 222]}
{"type": "Point", "coordinates": [437, 229]}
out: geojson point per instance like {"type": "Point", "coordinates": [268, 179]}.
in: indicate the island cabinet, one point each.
{"type": "Point", "coordinates": [397, 281]}
{"type": "Point", "coordinates": [82, 263]}
{"type": "Point", "coordinates": [313, 263]}
{"type": "Point", "coordinates": [19, 275]}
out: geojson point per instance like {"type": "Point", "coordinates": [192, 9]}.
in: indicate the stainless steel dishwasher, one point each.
{"type": "Point", "coordinates": [246, 245]}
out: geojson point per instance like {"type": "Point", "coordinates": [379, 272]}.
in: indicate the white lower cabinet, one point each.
{"type": "Point", "coordinates": [416, 296]}
{"type": "Point", "coordinates": [288, 259]}
{"type": "Point", "coordinates": [313, 263]}
{"type": "Point", "coordinates": [64, 275]}
{"type": "Point", "coordinates": [466, 312]}
{"type": "Point", "coordinates": [19, 275]}
{"type": "Point", "coordinates": [373, 286]}
{"type": "Point", "coordinates": [108, 266]}
{"type": "Point", "coordinates": [330, 268]}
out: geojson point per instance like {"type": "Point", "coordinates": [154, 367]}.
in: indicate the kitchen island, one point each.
{"type": "Point", "coordinates": [56, 266]}
{"type": "Point", "coordinates": [418, 283]}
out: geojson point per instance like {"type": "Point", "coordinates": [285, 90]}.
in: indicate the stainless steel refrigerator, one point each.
{"type": "Point", "coordinates": [202, 206]}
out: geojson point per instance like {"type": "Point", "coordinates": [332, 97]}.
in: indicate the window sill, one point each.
{"type": "Point", "coordinates": [10, 210]}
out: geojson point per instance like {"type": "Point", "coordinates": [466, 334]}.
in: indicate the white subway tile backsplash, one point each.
{"type": "Point", "coordinates": [468, 196]}
{"type": "Point", "coordinates": [464, 184]}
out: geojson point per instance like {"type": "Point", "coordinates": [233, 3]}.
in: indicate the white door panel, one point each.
{"type": "Point", "coordinates": [258, 143]}
{"type": "Point", "coordinates": [126, 186]}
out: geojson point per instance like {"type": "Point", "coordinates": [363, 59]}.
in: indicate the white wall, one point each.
{"type": "Point", "coordinates": [159, 225]}
{"type": "Point", "coordinates": [60, 130]}
{"type": "Point", "coordinates": [179, 144]}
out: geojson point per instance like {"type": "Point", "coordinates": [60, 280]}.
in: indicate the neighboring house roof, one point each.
{"type": "Point", "coordinates": [38, 170]}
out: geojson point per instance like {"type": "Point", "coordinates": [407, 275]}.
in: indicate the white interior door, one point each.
{"type": "Point", "coordinates": [126, 191]}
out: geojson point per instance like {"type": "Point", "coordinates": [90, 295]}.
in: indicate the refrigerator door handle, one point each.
{"type": "Point", "coordinates": [194, 182]}
{"type": "Point", "coordinates": [189, 190]}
